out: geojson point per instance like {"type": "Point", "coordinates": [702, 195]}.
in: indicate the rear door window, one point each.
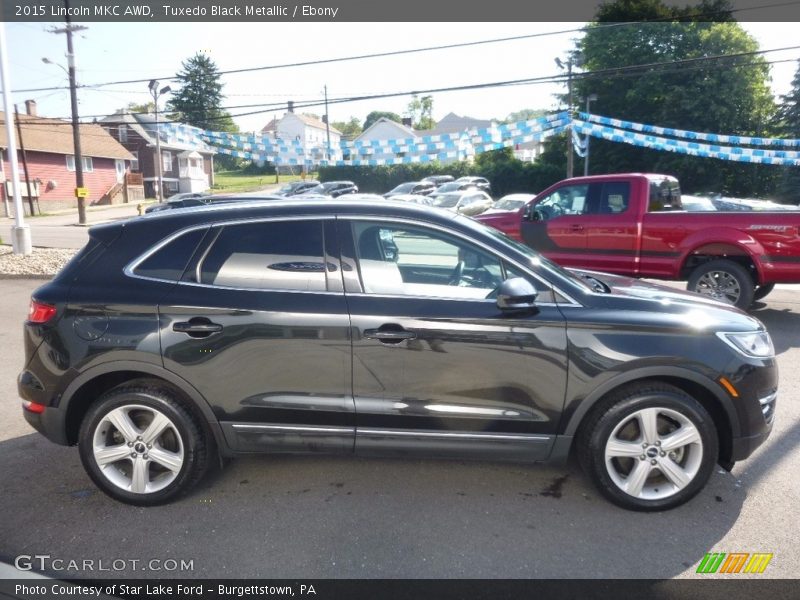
{"type": "Point", "coordinates": [277, 255]}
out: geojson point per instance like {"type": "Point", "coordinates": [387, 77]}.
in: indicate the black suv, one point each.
{"type": "Point", "coordinates": [295, 188]}
{"type": "Point", "coordinates": [333, 189]}
{"type": "Point", "coordinates": [384, 328]}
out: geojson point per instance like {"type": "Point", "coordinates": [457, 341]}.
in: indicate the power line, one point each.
{"type": "Point", "coordinates": [613, 72]}
{"type": "Point", "coordinates": [268, 108]}
{"type": "Point", "coordinates": [425, 49]}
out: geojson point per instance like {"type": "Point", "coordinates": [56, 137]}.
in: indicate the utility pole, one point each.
{"type": "Point", "coordinates": [24, 160]}
{"type": "Point", "coordinates": [20, 233]}
{"type": "Point", "coordinates": [589, 99]}
{"type": "Point", "coordinates": [327, 126]}
{"type": "Point", "coordinates": [80, 192]}
{"type": "Point", "coordinates": [570, 151]}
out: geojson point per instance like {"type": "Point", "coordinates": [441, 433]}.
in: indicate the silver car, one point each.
{"type": "Point", "coordinates": [469, 202]}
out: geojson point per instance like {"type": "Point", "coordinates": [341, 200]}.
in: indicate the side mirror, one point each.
{"type": "Point", "coordinates": [527, 214]}
{"type": "Point", "coordinates": [516, 294]}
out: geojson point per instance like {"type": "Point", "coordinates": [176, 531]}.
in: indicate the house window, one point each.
{"type": "Point", "coordinates": [172, 186]}
{"type": "Point", "coordinates": [135, 161]}
{"type": "Point", "coordinates": [88, 165]}
{"type": "Point", "coordinates": [166, 160]}
{"type": "Point", "coordinates": [123, 133]}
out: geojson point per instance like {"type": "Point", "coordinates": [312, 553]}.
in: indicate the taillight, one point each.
{"type": "Point", "coordinates": [33, 407]}
{"type": "Point", "coordinates": [40, 312]}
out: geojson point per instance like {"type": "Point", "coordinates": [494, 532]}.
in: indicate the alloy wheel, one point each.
{"type": "Point", "coordinates": [653, 453]}
{"type": "Point", "coordinates": [138, 449]}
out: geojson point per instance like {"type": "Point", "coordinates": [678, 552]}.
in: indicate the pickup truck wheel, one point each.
{"type": "Point", "coordinates": [725, 281]}
{"type": "Point", "coordinates": [649, 446]}
{"type": "Point", "coordinates": [141, 446]}
{"type": "Point", "coordinates": [762, 291]}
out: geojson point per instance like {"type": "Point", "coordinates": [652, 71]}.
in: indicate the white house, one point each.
{"type": "Point", "coordinates": [307, 130]}
{"type": "Point", "coordinates": [382, 129]}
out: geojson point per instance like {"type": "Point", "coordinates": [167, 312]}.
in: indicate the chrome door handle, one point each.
{"type": "Point", "coordinates": [389, 335]}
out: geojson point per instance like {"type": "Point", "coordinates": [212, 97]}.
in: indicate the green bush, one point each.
{"type": "Point", "coordinates": [506, 174]}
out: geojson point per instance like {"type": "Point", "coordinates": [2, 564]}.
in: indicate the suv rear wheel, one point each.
{"type": "Point", "coordinates": [649, 447]}
{"type": "Point", "coordinates": [140, 445]}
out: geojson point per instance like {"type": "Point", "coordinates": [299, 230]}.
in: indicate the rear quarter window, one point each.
{"type": "Point", "coordinates": [169, 261]}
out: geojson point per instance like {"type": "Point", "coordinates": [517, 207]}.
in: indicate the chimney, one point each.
{"type": "Point", "coordinates": [408, 121]}
{"type": "Point", "coordinates": [30, 108]}
{"type": "Point", "coordinates": [291, 106]}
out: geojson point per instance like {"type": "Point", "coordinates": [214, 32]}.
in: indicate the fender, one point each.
{"type": "Point", "coordinates": [725, 236]}
{"type": "Point", "coordinates": [147, 368]}
{"type": "Point", "coordinates": [653, 373]}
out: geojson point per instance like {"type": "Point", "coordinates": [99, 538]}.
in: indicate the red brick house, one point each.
{"type": "Point", "coordinates": [49, 151]}
{"type": "Point", "coordinates": [185, 167]}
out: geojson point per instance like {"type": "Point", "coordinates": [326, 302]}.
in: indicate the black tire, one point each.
{"type": "Point", "coordinates": [141, 401]}
{"type": "Point", "coordinates": [618, 410]}
{"type": "Point", "coordinates": [763, 291]}
{"type": "Point", "coordinates": [723, 280]}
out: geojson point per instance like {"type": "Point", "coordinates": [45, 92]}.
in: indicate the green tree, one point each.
{"type": "Point", "coordinates": [376, 115]}
{"type": "Point", "coordinates": [198, 102]}
{"type": "Point", "coordinates": [137, 108]}
{"type": "Point", "coordinates": [526, 114]}
{"type": "Point", "coordinates": [349, 128]}
{"type": "Point", "coordinates": [788, 126]}
{"type": "Point", "coordinates": [421, 112]}
{"type": "Point", "coordinates": [729, 95]}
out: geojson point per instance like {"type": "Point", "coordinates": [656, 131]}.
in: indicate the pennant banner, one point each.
{"type": "Point", "coordinates": [734, 153]}
{"type": "Point", "coordinates": [736, 140]}
{"type": "Point", "coordinates": [459, 146]}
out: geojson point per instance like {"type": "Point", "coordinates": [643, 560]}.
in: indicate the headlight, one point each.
{"type": "Point", "coordinates": [756, 344]}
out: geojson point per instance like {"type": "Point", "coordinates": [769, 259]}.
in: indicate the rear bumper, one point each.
{"type": "Point", "coordinates": [49, 423]}
{"type": "Point", "coordinates": [52, 421]}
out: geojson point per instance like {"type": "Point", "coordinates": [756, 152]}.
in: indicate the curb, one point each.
{"type": "Point", "coordinates": [23, 276]}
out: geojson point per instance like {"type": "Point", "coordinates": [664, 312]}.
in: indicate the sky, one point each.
{"type": "Point", "coordinates": [116, 51]}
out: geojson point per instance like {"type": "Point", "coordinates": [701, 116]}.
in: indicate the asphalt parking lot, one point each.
{"type": "Point", "coordinates": [335, 517]}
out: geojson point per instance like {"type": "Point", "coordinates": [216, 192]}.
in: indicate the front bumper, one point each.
{"type": "Point", "coordinates": [742, 447]}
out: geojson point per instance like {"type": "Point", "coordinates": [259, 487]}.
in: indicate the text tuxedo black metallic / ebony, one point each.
{"type": "Point", "coordinates": [380, 328]}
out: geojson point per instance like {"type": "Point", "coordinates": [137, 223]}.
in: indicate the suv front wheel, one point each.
{"type": "Point", "coordinates": [140, 445]}
{"type": "Point", "coordinates": [649, 446]}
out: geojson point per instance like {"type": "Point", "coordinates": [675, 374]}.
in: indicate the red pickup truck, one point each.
{"type": "Point", "coordinates": [634, 224]}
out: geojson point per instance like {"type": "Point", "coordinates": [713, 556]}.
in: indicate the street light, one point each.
{"type": "Point", "coordinates": [156, 94]}
{"type": "Point", "coordinates": [589, 99]}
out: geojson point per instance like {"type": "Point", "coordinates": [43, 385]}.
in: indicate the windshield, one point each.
{"type": "Point", "coordinates": [290, 187]}
{"type": "Point", "coordinates": [448, 187]}
{"type": "Point", "coordinates": [403, 188]}
{"type": "Point", "coordinates": [508, 204]}
{"type": "Point", "coordinates": [447, 200]}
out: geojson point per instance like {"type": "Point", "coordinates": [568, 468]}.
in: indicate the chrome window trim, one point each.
{"type": "Point", "coordinates": [452, 435]}
{"type": "Point", "coordinates": [458, 234]}
{"type": "Point", "coordinates": [129, 269]}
